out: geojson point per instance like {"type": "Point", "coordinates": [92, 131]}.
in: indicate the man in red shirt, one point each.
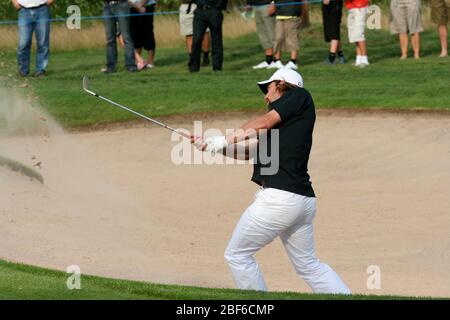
{"type": "Point", "coordinates": [356, 24]}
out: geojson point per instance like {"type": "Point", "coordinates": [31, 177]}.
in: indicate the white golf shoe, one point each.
{"type": "Point", "coordinates": [361, 62]}
{"type": "Point", "coordinates": [291, 65]}
{"type": "Point", "coordinates": [262, 65]}
{"type": "Point", "coordinates": [275, 65]}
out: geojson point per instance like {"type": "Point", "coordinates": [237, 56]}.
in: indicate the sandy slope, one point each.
{"type": "Point", "coordinates": [115, 204]}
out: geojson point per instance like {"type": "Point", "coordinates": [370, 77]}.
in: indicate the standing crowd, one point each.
{"type": "Point", "coordinates": [278, 23]}
{"type": "Point", "coordinates": [132, 22]}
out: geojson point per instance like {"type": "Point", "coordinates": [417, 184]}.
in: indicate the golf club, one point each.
{"type": "Point", "coordinates": [86, 89]}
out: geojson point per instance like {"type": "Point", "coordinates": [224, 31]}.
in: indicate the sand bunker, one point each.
{"type": "Point", "coordinates": [115, 204]}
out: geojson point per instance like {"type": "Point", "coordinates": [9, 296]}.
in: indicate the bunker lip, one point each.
{"type": "Point", "coordinates": [181, 119]}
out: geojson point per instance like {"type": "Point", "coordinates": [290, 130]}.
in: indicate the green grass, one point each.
{"type": "Point", "coordinates": [18, 281]}
{"type": "Point", "coordinates": [169, 89]}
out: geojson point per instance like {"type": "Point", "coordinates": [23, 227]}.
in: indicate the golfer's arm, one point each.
{"type": "Point", "coordinates": [252, 128]}
{"type": "Point", "coordinates": [240, 152]}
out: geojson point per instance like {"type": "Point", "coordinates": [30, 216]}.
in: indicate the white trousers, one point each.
{"type": "Point", "coordinates": [288, 215]}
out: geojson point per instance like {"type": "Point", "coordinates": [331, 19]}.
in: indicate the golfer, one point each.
{"type": "Point", "coordinates": [285, 205]}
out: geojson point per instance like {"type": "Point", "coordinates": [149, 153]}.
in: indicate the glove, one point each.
{"type": "Point", "coordinates": [199, 143]}
{"type": "Point", "coordinates": [215, 143]}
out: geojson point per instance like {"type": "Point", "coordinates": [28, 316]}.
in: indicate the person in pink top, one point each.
{"type": "Point", "coordinates": [356, 24]}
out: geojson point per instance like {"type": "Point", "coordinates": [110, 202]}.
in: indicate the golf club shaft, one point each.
{"type": "Point", "coordinates": [137, 113]}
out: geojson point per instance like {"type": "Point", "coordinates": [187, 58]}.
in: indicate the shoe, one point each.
{"type": "Point", "coordinates": [133, 70]}
{"type": "Point", "coordinates": [328, 62]}
{"type": "Point", "coordinates": [291, 65]}
{"type": "Point", "coordinates": [40, 73]}
{"type": "Point", "coordinates": [342, 60]}
{"type": "Point", "coordinates": [141, 65]}
{"type": "Point", "coordinates": [205, 61]}
{"type": "Point", "coordinates": [363, 64]}
{"type": "Point", "coordinates": [275, 65]}
{"type": "Point", "coordinates": [23, 74]}
{"type": "Point", "coordinates": [106, 70]}
{"type": "Point", "coordinates": [149, 66]}
{"type": "Point", "coordinates": [262, 65]}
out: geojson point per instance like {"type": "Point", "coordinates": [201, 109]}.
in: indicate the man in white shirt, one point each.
{"type": "Point", "coordinates": [34, 17]}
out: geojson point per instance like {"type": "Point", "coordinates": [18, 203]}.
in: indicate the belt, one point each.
{"type": "Point", "coordinates": [36, 7]}
{"type": "Point", "coordinates": [263, 184]}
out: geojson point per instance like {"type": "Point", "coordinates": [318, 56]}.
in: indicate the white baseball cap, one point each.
{"type": "Point", "coordinates": [286, 74]}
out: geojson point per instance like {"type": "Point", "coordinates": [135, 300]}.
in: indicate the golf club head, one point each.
{"type": "Point", "coordinates": [85, 83]}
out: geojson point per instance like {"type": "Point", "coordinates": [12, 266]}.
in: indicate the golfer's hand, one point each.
{"type": "Point", "coordinates": [198, 142]}
{"type": "Point", "coordinates": [194, 138]}
{"type": "Point", "coordinates": [215, 143]}
{"type": "Point", "coordinates": [141, 9]}
{"type": "Point", "coordinates": [326, 2]}
{"type": "Point", "coordinates": [248, 8]}
{"type": "Point", "coordinates": [16, 5]}
{"type": "Point", "coordinates": [50, 2]}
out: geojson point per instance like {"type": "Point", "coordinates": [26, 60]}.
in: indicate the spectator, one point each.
{"type": "Point", "coordinates": [356, 24]}
{"type": "Point", "coordinates": [405, 18]}
{"type": "Point", "coordinates": [140, 63]}
{"type": "Point", "coordinates": [141, 28]}
{"type": "Point", "coordinates": [208, 14]}
{"type": "Point", "coordinates": [332, 16]}
{"type": "Point", "coordinates": [265, 29]}
{"type": "Point", "coordinates": [440, 13]}
{"type": "Point", "coordinates": [117, 12]}
{"type": "Point", "coordinates": [186, 19]}
{"type": "Point", "coordinates": [34, 17]}
{"type": "Point", "coordinates": [286, 32]}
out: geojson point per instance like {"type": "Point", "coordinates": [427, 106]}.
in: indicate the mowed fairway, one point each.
{"type": "Point", "coordinates": [115, 204]}
{"type": "Point", "coordinates": [169, 88]}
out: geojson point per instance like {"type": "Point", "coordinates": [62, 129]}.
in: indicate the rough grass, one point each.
{"type": "Point", "coordinates": [92, 33]}
{"type": "Point", "coordinates": [18, 281]}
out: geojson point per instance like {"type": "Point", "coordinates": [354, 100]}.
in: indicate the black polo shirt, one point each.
{"type": "Point", "coordinates": [297, 112]}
